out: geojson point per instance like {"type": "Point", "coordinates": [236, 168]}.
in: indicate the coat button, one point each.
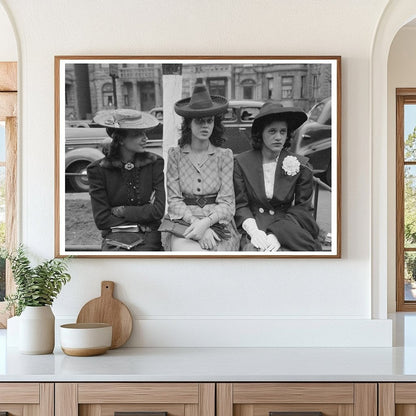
{"type": "Point", "coordinates": [199, 180]}
{"type": "Point", "coordinates": [261, 210]}
{"type": "Point", "coordinates": [271, 212]}
{"type": "Point", "coordinates": [198, 189]}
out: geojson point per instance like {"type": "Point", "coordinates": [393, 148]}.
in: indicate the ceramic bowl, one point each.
{"type": "Point", "coordinates": [84, 340]}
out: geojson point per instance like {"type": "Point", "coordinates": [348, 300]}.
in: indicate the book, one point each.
{"type": "Point", "coordinates": [124, 245]}
{"type": "Point", "coordinates": [130, 228]}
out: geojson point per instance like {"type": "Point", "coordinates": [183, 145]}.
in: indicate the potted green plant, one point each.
{"type": "Point", "coordinates": [36, 289]}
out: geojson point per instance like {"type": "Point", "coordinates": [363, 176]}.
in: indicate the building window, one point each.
{"type": "Point", "coordinates": [217, 86]}
{"type": "Point", "coordinates": [303, 87]}
{"type": "Point", "coordinates": [248, 92]}
{"type": "Point", "coordinates": [248, 89]}
{"type": "Point", "coordinates": [67, 92]}
{"type": "Point", "coordinates": [126, 97]}
{"type": "Point", "coordinates": [406, 199]}
{"type": "Point", "coordinates": [287, 87]}
{"type": "Point", "coordinates": [315, 86]}
{"type": "Point", "coordinates": [269, 87]}
{"type": "Point", "coordinates": [108, 97]}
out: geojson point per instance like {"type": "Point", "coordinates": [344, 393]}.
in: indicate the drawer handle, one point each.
{"type": "Point", "coordinates": [295, 413]}
{"type": "Point", "coordinates": [139, 414]}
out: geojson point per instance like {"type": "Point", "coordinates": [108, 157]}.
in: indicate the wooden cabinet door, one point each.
{"type": "Point", "coordinates": [26, 399]}
{"type": "Point", "coordinates": [145, 399]}
{"type": "Point", "coordinates": [397, 399]}
{"type": "Point", "coordinates": [297, 399]}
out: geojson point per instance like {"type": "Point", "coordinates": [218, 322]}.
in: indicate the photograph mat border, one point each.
{"type": "Point", "coordinates": [334, 61]}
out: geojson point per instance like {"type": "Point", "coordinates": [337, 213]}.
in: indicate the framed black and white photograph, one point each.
{"type": "Point", "coordinates": [198, 156]}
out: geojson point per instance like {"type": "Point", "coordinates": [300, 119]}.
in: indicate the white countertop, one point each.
{"type": "Point", "coordinates": [215, 364]}
{"type": "Point", "coordinates": [222, 364]}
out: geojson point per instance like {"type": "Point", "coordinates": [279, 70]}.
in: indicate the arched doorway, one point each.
{"type": "Point", "coordinates": [396, 15]}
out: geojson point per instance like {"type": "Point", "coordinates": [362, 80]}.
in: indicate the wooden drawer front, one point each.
{"type": "Point", "coordinates": [397, 399]}
{"type": "Point", "coordinates": [19, 393]}
{"type": "Point", "coordinates": [332, 399]}
{"type": "Point", "coordinates": [263, 410]}
{"type": "Point", "coordinates": [138, 393]}
{"type": "Point", "coordinates": [27, 399]}
{"type": "Point", "coordinates": [405, 393]}
{"type": "Point", "coordinates": [104, 399]}
{"type": "Point", "coordinates": [293, 393]}
{"type": "Point", "coordinates": [110, 409]}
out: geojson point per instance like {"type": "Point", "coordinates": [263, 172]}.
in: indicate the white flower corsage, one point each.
{"type": "Point", "coordinates": [291, 165]}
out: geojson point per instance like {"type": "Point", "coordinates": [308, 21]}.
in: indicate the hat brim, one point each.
{"type": "Point", "coordinates": [294, 117]}
{"type": "Point", "coordinates": [146, 122]}
{"type": "Point", "coordinates": [219, 105]}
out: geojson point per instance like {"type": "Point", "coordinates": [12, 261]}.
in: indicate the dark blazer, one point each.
{"type": "Point", "coordinates": [291, 197]}
{"type": "Point", "coordinates": [111, 185]}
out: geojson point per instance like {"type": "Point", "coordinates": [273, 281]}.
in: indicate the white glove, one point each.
{"type": "Point", "coordinates": [273, 243]}
{"type": "Point", "coordinates": [258, 237]}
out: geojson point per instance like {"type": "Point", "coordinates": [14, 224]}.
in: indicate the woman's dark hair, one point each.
{"type": "Point", "coordinates": [257, 134]}
{"type": "Point", "coordinates": [112, 150]}
{"type": "Point", "coordinates": [216, 138]}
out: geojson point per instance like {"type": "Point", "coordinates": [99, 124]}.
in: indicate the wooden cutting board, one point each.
{"type": "Point", "coordinates": [108, 310]}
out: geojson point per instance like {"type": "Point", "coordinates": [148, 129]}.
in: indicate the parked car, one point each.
{"type": "Point", "coordinates": [314, 138]}
{"type": "Point", "coordinates": [84, 144]}
{"type": "Point", "coordinates": [237, 123]}
{"type": "Point", "coordinates": [158, 113]}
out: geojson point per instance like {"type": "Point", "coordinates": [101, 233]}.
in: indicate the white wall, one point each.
{"type": "Point", "coordinates": [212, 301]}
{"type": "Point", "coordinates": [401, 74]}
{"type": "Point", "coordinates": [8, 45]}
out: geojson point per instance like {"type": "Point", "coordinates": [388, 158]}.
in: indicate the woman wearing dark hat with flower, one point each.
{"type": "Point", "coordinates": [200, 178]}
{"type": "Point", "coordinates": [127, 185]}
{"type": "Point", "coordinates": [274, 186]}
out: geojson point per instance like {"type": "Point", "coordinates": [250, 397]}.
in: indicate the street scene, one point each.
{"type": "Point", "coordinates": [91, 88]}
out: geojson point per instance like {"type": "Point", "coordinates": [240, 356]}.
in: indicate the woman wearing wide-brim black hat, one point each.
{"type": "Point", "coordinates": [127, 186]}
{"type": "Point", "coordinates": [274, 186]}
{"type": "Point", "coordinates": [199, 178]}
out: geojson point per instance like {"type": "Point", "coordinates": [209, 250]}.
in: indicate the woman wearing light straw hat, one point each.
{"type": "Point", "coordinates": [199, 178]}
{"type": "Point", "coordinates": [127, 185]}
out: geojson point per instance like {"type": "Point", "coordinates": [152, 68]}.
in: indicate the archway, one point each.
{"type": "Point", "coordinates": [396, 15]}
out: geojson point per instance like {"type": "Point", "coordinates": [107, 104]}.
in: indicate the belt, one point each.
{"type": "Point", "coordinates": [200, 200]}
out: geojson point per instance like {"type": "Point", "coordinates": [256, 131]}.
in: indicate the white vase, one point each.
{"type": "Point", "coordinates": [37, 330]}
{"type": "Point", "coordinates": [12, 334]}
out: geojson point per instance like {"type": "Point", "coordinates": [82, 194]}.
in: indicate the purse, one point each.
{"type": "Point", "coordinates": [173, 226]}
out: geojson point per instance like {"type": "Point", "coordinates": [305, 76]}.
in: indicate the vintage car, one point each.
{"type": "Point", "coordinates": [314, 138]}
{"type": "Point", "coordinates": [237, 123]}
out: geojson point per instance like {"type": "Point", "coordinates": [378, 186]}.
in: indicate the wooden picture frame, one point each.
{"type": "Point", "coordinates": [85, 85]}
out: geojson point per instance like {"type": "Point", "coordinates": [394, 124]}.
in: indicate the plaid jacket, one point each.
{"type": "Point", "coordinates": [213, 175]}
